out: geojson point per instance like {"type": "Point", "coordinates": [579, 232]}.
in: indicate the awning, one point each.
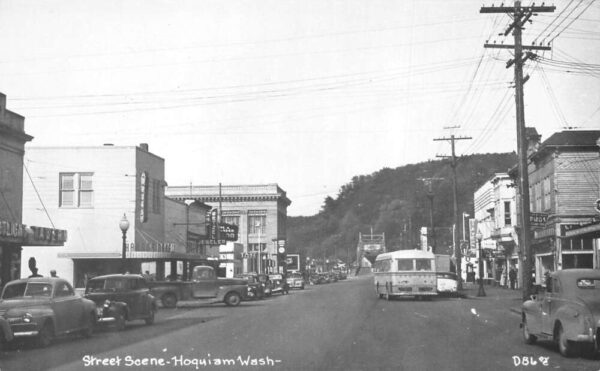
{"type": "Point", "coordinates": [588, 231]}
{"type": "Point", "coordinates": [132, 255]}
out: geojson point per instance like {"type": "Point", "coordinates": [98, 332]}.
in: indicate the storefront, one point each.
{"type": "Point", "coordinates": [15, 235]}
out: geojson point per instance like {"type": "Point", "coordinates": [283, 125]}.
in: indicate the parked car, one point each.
{"type": "Point", "coordinates": [567, 311]}
{"type": "Point", "coordinates": [256, 290]}
{"type": "Point", "coordinates": [340, 274]}
{"type": "Point", "coordinates": [266, 283]}
{"type": "Point", "coordinates": [295, 281]}
{"type": "Point", "coordinates": [279, 285]}
{"type": "Point", "coordinates": [43, 308]}
{"type": "Point", "coordinates": [447, 283]}
{"type": "Point", "coordinates": [120, 298]}
{"type": "Point", "coordinates": [316, 279]}
{"type": "Point", "coordinates": [204, 286]}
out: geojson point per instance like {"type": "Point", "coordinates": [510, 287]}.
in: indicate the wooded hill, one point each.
{"type": "Point", "coordinates": [394, 202]}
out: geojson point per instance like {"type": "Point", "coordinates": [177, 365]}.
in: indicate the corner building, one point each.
{"type": "Point", "coordinates": [259, 211]}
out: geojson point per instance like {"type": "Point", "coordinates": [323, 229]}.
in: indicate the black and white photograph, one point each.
{"type": "Point", "coordinates": [407, 185]}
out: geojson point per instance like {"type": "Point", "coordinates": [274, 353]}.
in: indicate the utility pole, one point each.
{"type": "Point", "coordinates": [456, 247]}
{"type": "Point", "coordinates": [429, 183]}
{"type": "Point", "coordinates": [520, 16]}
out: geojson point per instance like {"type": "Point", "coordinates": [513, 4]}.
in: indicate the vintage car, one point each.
{"type": "Point", "coordinates": [447, 283]}
{"type": "Point", "coordinates": [295, 281]}
{"type": "Point", "coordinates": [567, 311]}
{"type": "Point", "coordinates": [120, 298]}
{"type": "Point", "coordinates": [43, 308]}
{"type": "Point", "coordinates": [279, 285]}
{"type": "Point", "coordinates": [256, 290]}
{"type": "Point", "coordinates": [266, 283]}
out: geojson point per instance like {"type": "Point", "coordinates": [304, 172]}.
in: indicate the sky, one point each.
{"type": "Point", "coordinates": [305, 93]}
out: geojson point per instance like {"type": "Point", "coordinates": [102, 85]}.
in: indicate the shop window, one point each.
{"type": "Point", "coordinates": [257, 224]}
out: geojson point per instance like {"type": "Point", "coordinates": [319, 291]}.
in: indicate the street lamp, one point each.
{"type": "Point", "coordinates": [481, 291]}
{"type": "Point", "coordinates": [124, 225]}
{"type": "Point", "coordinates": [258, 225]}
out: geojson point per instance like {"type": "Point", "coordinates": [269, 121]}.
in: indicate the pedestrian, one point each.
{"type": "Point", "coordinates": [53, 273]}
{"type": "Point", "coordinates": [34, 272]}
{"type": "Point", "coordinates": [512, 276]}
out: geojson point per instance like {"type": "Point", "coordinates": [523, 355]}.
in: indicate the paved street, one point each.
{"type": "Point", "coordinates": [339, 326]}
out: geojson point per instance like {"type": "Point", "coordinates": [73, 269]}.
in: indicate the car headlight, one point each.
{"type": "Point", "coordinates": [27, 317]}
{"type": "Point", "coordinates": [106, 303]}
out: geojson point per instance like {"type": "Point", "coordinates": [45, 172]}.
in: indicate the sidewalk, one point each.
{"type": "Point", "coordinates": [512, 298]}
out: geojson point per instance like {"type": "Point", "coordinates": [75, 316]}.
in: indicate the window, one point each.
{"type": "Point", "coordinates": [547, 194]}
{"type": "Point", "coordinates": [423, 264]}
{"type": "Point", "coordinates": [67, 190]}
{"type": "Point", "coordinates": [507, 218]}
{"type": "Point", "coordinates": [63, 289]}
{"type": "Point", "coordinates": [538, 197]}
{"type": "Point", "coordinates": [256, 224]}
{"type": "Point", "coordinates": [405, 264]}
{"type": "Point", "coordinates": [76, 190]}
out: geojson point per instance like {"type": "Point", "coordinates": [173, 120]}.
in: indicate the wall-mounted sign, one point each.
{"type": "Point", "coordinates": [31, 236]}
{"type": "Point", "coordinates": [538, 219]}
{"type": "Point", "coordinates": [144, 196]}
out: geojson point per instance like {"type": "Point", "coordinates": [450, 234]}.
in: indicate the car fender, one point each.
{"type": "Point", "coordinates": [119, 307]}
{"type": "Point", "coordinates": [571, 318]}
{"type": "Point", "coordinates": [239, 289]}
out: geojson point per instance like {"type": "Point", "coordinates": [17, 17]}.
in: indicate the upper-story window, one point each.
{"type": "Point", "coordinates": [547, 194]}
{"type": "Point", "coordinates": [257, 221]}
{"type": "Point", "coordinates": [76, 190]}
{"type": "Point", "coordinates": [231, 219]}
{"type": "Point", "coordinates": [507, 214]}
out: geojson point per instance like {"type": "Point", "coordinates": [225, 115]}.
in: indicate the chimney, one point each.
{"type": "Point", "coordinates": [144, 146]}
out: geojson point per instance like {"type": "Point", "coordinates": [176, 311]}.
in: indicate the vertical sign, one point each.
{"type": "Point", "coordinates": [144, 196]}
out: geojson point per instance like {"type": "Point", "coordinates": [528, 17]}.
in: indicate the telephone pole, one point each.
{"type": "Point", "coordinates": [429, 183]}
{"type": "Point", "coordinates": [520, 16]}
{"type": "Point", "coordinates": [456, 246]}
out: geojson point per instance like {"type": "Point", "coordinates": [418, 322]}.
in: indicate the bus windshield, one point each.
{"type": "Point", "coordinates": [423, 264]}
{"type": "Point", "coordinates": [405, 264]}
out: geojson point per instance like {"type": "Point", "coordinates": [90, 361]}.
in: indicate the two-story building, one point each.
{"type": "Point", "coordinates": [564, 187]}
{"type": "Point", "coordinates": [89, 191]}
{"type": "Point", "coordinates": [14, 234]}
{"type": "Point", "coordinates": [495, 220]}
{"type": "Point", "coordinates": [259, 211]}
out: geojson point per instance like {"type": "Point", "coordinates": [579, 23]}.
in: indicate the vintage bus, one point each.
{"type": "Point", "coordinates": [405, 273]}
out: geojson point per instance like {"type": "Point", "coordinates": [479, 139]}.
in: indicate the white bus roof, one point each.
{"type": "Point", "coordinates": [406, 254]}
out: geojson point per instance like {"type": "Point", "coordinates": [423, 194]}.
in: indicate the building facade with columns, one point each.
{"type": "Point", "coordinates": [259, 211]}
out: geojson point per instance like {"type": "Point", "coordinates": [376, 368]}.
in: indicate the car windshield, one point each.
{"type": "Point", "coordinates": [589, 284]}
{"type": "Point", "coordinates": [450, 276]}
{"type": "Point", "coordinates": [295, 275]}
{"type": "Point", "coordinates": [24, 289]}
{"type": "Point", "coordinates": [105, 285]}
{"type": "Point", "coordinates": [250, 279]}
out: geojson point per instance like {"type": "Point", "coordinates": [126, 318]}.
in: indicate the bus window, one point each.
{"type": "Point", "coordinates": [423, 264]}
{"type": "Point", "coordinates": [405, 264]}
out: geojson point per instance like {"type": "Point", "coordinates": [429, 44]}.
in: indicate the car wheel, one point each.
{"type": "Point", "coordinates": [150, 319]}
{"type": "Point", "coordinates": [169, 300]}
{"type": "Point", "coordinates": [527, 337]}
{"type": "Point", "coordinates": [564, 347]}
{"type": "Point", "coordinates": [119, 322]}
{"type": "Point", "coordinates": [45, 335]}
{"type": "Point", "coordinates": [233, 299]}
{"type": "Point", "coordinates": [88, 330]}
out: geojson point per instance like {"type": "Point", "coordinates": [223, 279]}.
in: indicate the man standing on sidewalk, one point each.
{"type": "Point", "coordinates": [512, 276]}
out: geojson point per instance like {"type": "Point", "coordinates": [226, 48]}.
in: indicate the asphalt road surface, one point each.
{"type": "Point", "coordinates": [337, 326]}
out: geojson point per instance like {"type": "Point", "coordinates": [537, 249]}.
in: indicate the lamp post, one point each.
{"type": "Point", "coordinates": [124, 225]}
{"type": "Point", "coordinates": [259, 226]}
{"type": "Point", "coordinates": [481, 291]}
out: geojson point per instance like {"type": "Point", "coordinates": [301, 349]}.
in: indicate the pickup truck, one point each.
{"type": "Point", "coordinates": [205, 285]}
